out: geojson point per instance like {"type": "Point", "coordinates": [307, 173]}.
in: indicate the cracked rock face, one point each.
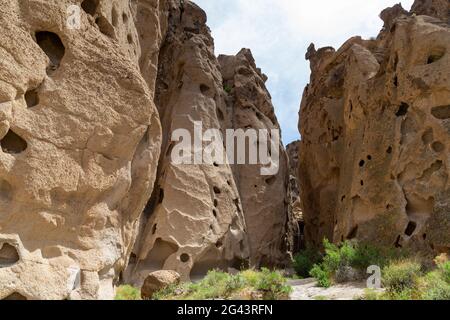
{"type": "Point", "coordinates": [80, 139]}
{"type": "Point", "coordinates": [374, 159]}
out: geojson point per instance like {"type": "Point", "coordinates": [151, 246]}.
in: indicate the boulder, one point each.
{"type": "Point", "coordinates": [158, 280]}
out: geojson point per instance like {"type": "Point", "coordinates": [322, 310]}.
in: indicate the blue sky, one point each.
{"type": "Point", "coordinates": [279, 31]}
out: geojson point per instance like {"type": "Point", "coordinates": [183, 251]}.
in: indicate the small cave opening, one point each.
{"type": "Point", "coordinates": [154, 228]}
{"type": "Point", "coordinates": [130, 39]}
{"type": "Point", "coordinates": [412, 226]}
{"type": "Point", "coordinates": [216, 203]}
{"type": "Point", "coordinates": [441, 112]}
{"type": "Point", "coordinates": [13, 143]}
{"type": "Point", "coordinates": [353, 233]}
{"type": "Point", "coordinates": [435, 55]}
{"type": "Point", "coordinates": [90, 6]}
{"type": "Point", "coordinates": [32, 98]}
{"type": "Point", "coordinates": [438, 146]}
{"type": "Point", "coordinates": [184, 257]}
{"type": "Point", "coordinates": [105, 27]}
{"type": "Point", "coordinates": [124, 18]}
{"type": "Point", "coordinates": [204, 88]}
{"type": "Point", "coordinates": [215, 213]}
{"type": "Point", "coordinates": [53, 47]}
{"type": "Point", "coordinates": [216, 190]}
{"type": "Point", "coordinates": [389, 150]}
{"type": "Point", "coordinates": [8, 255]}
{"type": "Point", "coordinates": [397, 243]}
{"type": "Point", "coordinates": [362, 163]}
{"type": "Point", "coordinates": [402, 110]}
{"type": "Point", "coordinates": [161, 195]}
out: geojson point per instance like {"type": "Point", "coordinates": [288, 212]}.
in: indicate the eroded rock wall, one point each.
{"type": "Point", "coordinates": [80, 141]}
{"type": "Point", "coordinates": [194, 219]}
{"type": "Point", "coordinates": [265, 198]}
{"type": "Point", "coordinates": [374, 157]}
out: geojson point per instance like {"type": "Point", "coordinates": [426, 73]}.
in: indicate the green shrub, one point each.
{"type": "Point", "coordinates": [273, 285]}
{"type": "Point", "coordinates": [322, 276]}
{"type": "Point", "coordinates": [445, 269]}
{"type": "Point", "coordinates": [305, 260]}
{"type": "Point", "coordinates": [401, 276]}
{"type": "Point", "coordinates": [435, 286]}
{"type": "Point", "coordinates": [221, 285]}
{"type": "Point", "coordinates": [128, 292]}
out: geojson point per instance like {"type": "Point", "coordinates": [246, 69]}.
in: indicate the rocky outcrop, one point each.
{"type": "Point", "coordinates": [374, 159]}
{"type": "Point", "coordinates": [80, 141]}
{"type": "Point", "coordinates": [194, 219]}
{"type": "Point", "coordinates": [265, 198]}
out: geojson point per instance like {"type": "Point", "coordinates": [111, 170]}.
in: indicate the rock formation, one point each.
{"type": "Point", "coordinates": [375, 126]}
{"type": "Point", "coordinates": [265, 198]}
{"type": "Point", "coordinates": [80, 141]}
{"type": "Point", "coordinates": [194, 219]}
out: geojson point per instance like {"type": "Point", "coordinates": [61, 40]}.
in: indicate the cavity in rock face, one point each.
{"type": "Point", "coordinates": [78, 168]}
{"type": "Point", "coordinates": [196, 209]}
{"type": "Point", "coordinates": [264, 198]}
{"type": "Point", "coordinates": [374, 125]}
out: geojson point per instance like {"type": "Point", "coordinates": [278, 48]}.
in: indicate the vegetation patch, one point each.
{"type": "Point", "coordinates": [246, 285]}
{"type": "Point", "coordinates": [128, 292]}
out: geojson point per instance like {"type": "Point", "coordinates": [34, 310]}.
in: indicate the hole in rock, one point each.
{"type": "Point", "coordinates": [402, 110]}
{"type": "Point", "coordinates": [53, 47]}
{"type": "Point", "coordinates": [438, 147]}
{"type": "Point", "coordinates": [124, 17]}
{"type": "Point", "coordinates": [396, 81]}
{"type": "Point", "coordinates": [90, 6]}
{"type": "Point", "coordinates": [133, 258]}
{"type": "Point", "coordinates": [410, 228]}
{"type": "Point", "coordinates": [427, 137]}
{"type": "Point", "coordinates": [105, 27]}
{"type": "Point", "coordinates": [219, 244]}
{"type": "Point", "coordinates": [32, 98]}
{"type": "Point", "coordinates": [389, 150]}
{"type": "Point", "coordinates": [435, 55]}
{"type": "Point", "coordinates": [270, 181]}
{"type": "Point", "coordinates": [130, 38]}
{"type": "Point", "coordinates": [216, 203]}
{"type": "Point", "coordinates": [215, 164]}
{"type": "Point", "coordinates": [369, 157]}
{"type": "Point", "coordinates": [159, 253]}
{"type": "Point", "coordinates": [441, 112]}
{"type": "Point", "coordinates": [6, 190]}
{"type": "Point", "coordinates": [12, 143]}
{"type": "Point", "coordinates": [15, 296]}
{"type": "Point", "coordinates": [353, 233]}
{"type": "Point", "coordinates": [362, 163]}
{"type": "Point", "coordinates": [204, 88]}
{"type": "Point", "coordinates": [184, 258]}
{"type": "Point", "coordinates": [161, 195]}
{"type": "Point", "coordinates": [424, 236]}
{"type": "Point", "coordinates": [220, 115]}
{"type": "Point", "coordinates": [155, 226]}
{"type": "Point", "coordinates": [397, 242]}
{"type": "Point", "coordinates": [229, 182]}
{"type": "Point", "coordinates": [8, 255]}
{"type": "Point", "coordinates": [215, 213]}
{"type": "Point", "coordinates": [216, 190]}
{"type": "Point", "coordinates": [362, 182]}
{"type": "Point", "coordinates": [114, 17]}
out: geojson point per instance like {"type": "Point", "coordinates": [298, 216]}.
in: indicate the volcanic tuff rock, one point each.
{"type": "Point", "coordinates": [265, 199]}
{"type": "Point", "coordinates": [375, 126]}
{"type": "Point", "coordinates": [80, 139]}
{"type": "Point", "coordinates": [157, 281]}
{"type": "Point", "coordinates": [194, 219]}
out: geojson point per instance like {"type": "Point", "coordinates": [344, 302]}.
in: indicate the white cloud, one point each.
{"type": "Point", "coordinates": [279, 31]}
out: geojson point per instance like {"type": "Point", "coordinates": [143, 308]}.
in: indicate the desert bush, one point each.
{"type": "Point", "coordinates": [273, 285]}
{"type": "Point", "coordinates": [270, 285]}
{"type": "Point", "coordinates": [402, 275]}
{"type": "Point", "coordinates": [128, 292]}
